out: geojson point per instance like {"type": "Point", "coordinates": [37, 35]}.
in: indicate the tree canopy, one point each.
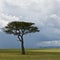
{"type": "Point", "coordinates": [17, 27]}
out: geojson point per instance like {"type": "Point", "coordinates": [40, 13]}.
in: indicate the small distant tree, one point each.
{"type": "Point", "coordinates": [20, 29]}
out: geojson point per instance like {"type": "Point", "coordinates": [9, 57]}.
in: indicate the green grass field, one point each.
{"type": "Point", "coordinates": [31, 54]}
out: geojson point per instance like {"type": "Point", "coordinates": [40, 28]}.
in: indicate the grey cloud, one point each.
{"type": "Point", "coordinates": [49, 43]}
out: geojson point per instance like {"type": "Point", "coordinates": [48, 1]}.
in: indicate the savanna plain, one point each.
{"type": "Point", "coordinates": [31, 54]}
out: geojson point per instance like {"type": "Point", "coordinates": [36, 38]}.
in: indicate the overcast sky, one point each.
{"type": "Point", "coordinates": [44, 13]}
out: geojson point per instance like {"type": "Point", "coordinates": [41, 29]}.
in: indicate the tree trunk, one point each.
{"type": "Point", "coordinates": [22, 47]}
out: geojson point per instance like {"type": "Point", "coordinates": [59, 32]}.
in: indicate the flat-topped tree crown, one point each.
{"type": "Point", "coordinates": [20, 29]}
{"type": "Point", "coordinates": [16, 27]}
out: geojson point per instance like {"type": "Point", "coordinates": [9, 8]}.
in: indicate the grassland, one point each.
{"type": "Point", "coordinates": [31, 54]}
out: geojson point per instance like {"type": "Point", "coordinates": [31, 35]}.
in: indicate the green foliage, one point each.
{"type": "Point", "coordinates": [17, 27]}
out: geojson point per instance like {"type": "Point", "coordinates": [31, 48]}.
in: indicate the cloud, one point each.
{"type": "Point", "coordinates": [32, 10]}
{"type": "Point", "coordinates": [1, 5]}
{"type": "Point", "coordinates": [45, 13]}
{"type": "Point", "coordinates": [49, 43]}
{"type": "Point", "coordinates": [42, 12]}
{"type": "Point", "coordinates": [4, 19]}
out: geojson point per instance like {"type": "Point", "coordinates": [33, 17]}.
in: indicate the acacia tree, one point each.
{"type": "Point", "coordinates": [20, 29]}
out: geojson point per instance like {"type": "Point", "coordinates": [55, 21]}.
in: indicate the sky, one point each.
{"type": "Point", "coordinates": [44, 13]}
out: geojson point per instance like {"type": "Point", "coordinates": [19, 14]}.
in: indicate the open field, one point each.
{"type": "Point", "coordinates": [31, 54]}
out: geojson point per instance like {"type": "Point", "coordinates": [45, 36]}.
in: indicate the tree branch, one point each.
{"type": "Point", "coordinates": [19, 38]}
